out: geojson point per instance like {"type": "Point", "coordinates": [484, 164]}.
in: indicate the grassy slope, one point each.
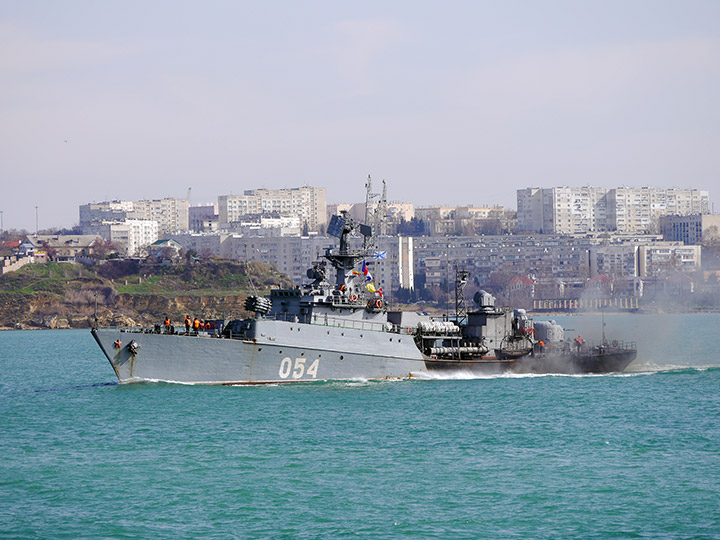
{"type": "Point", "coordinates": [202, 279]}
{"type": "Point", "coordinates": [65, 290]}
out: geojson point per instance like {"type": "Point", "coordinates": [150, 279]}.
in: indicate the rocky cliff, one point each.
{"type": "Point", "coordinates": [47, 311]}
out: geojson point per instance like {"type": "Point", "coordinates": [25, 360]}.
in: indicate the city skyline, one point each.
{"type": "Point", "coordinates": [453, 106]}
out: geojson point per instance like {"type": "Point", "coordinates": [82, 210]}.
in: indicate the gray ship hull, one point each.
{"type": "Point", "coordinates": [280, 352]}
{"type": "Point", "coordinates": [599, 360]}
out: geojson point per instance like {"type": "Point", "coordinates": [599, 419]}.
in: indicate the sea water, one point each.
{"type": "Point", "coordinates": [633, 455]}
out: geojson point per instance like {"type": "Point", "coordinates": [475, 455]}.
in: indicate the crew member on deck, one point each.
{"type": "Point", "coordinates": [167, 324]}
{"type": "Point", "coordinates": [196, 325]}
{"type": "Point", "coordinates": [187, 324]}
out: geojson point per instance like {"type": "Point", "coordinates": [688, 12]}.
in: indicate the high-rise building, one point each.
{"type": "Point", "coordinates": [566, 210]}
{"type": "Point", "coordinates": [690, 229]}
{"type": "Point", "coordinates": [203, 217]}
{"type": "Point", "coordinates": [562, 210]}
{"type": "Point", "coordinates": [130, 235]}
{"type": "Point", "coordinates": [170, 214]}
{"type": "Point", "coordinates": [308, 203]}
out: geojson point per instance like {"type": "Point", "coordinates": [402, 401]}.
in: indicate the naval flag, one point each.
{"type": "Point", "coordinates": [380, 255]}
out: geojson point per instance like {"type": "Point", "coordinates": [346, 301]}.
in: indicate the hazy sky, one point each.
{"type": "Point", "coordinates": [450, 102]}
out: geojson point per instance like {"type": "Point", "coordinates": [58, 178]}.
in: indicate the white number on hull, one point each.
{"type": "Point", "coordinates": [298, 369]}
{"type": "Point", "coordinates": [285, 368]}
{"type": "Point", "coordinates": [312, 369]}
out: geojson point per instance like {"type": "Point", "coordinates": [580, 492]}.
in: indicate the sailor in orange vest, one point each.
{"type": "Point", "coordinates": [187, 324]}
{"type": "Point", "coordinates": [167, 324]}
{"type": "Point", "coordinates": [196, 325]}
{"type": "Point", "coordinates": [579, 342]}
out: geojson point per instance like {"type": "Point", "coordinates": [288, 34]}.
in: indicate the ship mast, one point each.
{"type": "Point", "coordinates": [461, 277]}
{"type": "Point", "coordinates": [344, 259]}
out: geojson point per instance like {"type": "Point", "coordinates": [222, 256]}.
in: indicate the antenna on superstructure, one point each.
{"type": "Point", "coordinates": [461, 278]}
{"type": "Point", "coordinates": [381, 211]}
{"type": "Point", "coordinates": [368, 198]}
{"type": "Point", "coordinates": [370, 213]}
{"type": "Point", "coordinates": [375, 211]}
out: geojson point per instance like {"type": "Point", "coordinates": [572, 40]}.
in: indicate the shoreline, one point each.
{"type": "Point", "coordinates": [532, 314]}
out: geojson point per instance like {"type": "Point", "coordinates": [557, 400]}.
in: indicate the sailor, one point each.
{"type": "Point", "coordinates": [541, 344]}
{"type": "Point", "coordinates": [196, 325]}
{"type": "Point", "coordinates": [208, 326]}
{"type": "Point", "coordinates": [579, 342]}
{"type": "Point", "coordinates": [167, 324]}
{"type": "Point", "coordinates": [187, 324]}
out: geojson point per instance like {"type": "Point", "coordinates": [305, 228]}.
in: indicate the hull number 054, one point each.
{"type": "Point", "coordinates": [298, 369]}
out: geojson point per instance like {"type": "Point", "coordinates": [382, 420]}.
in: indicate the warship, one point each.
{"type": "Point", "coordinates": [343, 329]}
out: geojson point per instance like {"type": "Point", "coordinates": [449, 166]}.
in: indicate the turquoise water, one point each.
{"type": "Point", "coordinates": [613, 456]}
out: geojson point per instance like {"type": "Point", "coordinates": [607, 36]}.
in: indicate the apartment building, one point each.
{"type": "Point", "coordinates": [690, 229]}
{"type": "Point", "coordinates": [107, 210]}
{"type": "Point", "coordinates": [129, 236]}
{"type": "Point", "coordinates": [307, 203]}
{"type": "Point", "coordinates": [171, 215]}
{"type": "Point", "coordinates": [203, 218]}
{"type": "Point", "coordinates": [465, 220]}
{"type": "Point", "coordinates": [566, 210]}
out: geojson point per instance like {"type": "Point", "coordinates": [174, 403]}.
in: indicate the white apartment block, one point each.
{"type": "Point", "coordinates": [657, 260]}
{"type": "Point", "coordinates": [102, 211]}
{"type": "Point", "coordinates": [614, 261]}
{"type": "Point", "coordinates": [566, 210]}
{"type": "Point", "coordinates": [170, 214]}
{"type": "Point", "coordinates": [130, 235]}
{"type": "Point", "coordinates": [206, 244]}
{"type": "Point", "coordinates": [307, 203]}
{"type": "Point", "coordinates": [562, 210]}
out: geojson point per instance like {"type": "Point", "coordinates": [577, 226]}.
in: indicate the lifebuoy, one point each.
{"type": "Point", "coordinates": [353, 297]}
{"type": "Point", "coordinates": [378, 303]}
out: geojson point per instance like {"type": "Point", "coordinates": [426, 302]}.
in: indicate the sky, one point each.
{"type": "Point", "coordinates": [451, 103]}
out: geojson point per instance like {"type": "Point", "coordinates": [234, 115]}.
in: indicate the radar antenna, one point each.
{"type": "Point", "coordinates": [345, 259]}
